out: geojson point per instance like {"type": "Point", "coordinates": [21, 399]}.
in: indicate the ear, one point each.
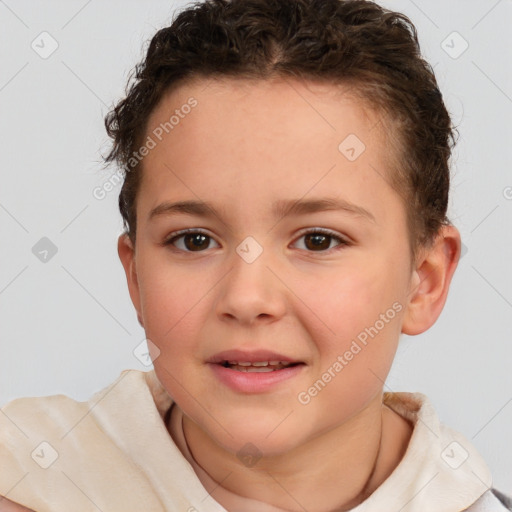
{"type": "Point", "coordinates": [431, 280]}
{"type": "Point", "coordinates": [126, 253]}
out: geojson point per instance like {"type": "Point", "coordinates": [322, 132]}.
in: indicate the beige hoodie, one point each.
{"type": "Point", "coordinates": [113, 453]}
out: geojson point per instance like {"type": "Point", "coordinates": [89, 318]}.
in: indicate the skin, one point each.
{"type": "Point", "coordinates": [245, 145]}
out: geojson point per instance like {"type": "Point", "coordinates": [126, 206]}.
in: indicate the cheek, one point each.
{"type": "Point", "coordinates": [171, 303]}
{"type": "Point", "coordinates": [363, 314]}
{"type": "Point", "coordinates": [350, 301]}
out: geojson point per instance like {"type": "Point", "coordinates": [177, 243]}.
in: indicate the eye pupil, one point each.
{"type": "Point", "coordinates": [318, 240]}
{"type": "Point", "coordinates": [194, 237]}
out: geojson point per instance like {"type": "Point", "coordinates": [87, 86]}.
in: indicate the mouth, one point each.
{"type": "Point", "coordinates": [259, 371]}
{"type": "Point", "coordinates": [248, 377]}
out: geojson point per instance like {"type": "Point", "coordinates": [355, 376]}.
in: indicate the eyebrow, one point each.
{"type": "Point", "coordinates": [280, 208]}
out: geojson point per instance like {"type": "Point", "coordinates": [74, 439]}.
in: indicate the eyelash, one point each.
{"type": "Point", "coordinates": [169, 241]}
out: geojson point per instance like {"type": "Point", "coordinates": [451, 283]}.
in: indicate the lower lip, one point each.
{"type": "Point", "coordinates": [253, 382]}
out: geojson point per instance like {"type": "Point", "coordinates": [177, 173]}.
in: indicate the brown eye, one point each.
{"type": "Point", "coordinates": [190, 241]}
{"type": "Point", "coordinates": [196, 241]}
{"type": "Point", "coordinates": [319, 240]}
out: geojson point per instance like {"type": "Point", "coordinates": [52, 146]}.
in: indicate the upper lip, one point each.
{"type": "Point", "coordinates": [252, 356]}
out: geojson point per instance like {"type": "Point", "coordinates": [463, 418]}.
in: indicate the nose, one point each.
{"type": "Point", "coordinates": [251, 292]}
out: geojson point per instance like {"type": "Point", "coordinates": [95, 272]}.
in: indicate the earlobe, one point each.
{"type": "Point", "coordinates": [126, 253]}
{"type": "Point", "coordinates": [431, 280]}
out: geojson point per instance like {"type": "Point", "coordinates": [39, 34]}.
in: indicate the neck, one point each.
{"type": "Point", "coordinates": [341, 466]}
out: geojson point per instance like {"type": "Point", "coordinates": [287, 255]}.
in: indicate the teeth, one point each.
{"type": "Point", "coordinates": [259, 363]}
{"type": "Point", "coordinates": [257, 366]}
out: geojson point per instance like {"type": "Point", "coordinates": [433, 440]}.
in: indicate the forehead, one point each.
{"type": "Point", "coordinates": [251, 138]}
{"type": "Point", "coordinates": [297, 110]}
{"type": "Point", "coordinates": [278, 101]}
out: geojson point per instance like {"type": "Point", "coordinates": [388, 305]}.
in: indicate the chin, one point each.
{"type": "Point", "coordinates": [258, 439]}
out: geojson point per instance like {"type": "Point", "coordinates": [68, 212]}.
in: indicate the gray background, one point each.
{"type": "Point", "coordinates": [67, 324]}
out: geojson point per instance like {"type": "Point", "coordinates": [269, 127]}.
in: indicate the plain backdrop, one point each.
{"type": "Point", "coordinates": [67, 323]}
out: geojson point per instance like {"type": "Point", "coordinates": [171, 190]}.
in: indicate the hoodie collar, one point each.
{"type": "Point", "coordinates": [440, 471]}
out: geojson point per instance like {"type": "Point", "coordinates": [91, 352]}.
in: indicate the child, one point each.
{"type": "Point", "coordinates": [255, 132]}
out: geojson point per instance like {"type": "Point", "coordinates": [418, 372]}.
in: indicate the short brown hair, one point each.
{"type": "Point", "coordinates": [347, 42]}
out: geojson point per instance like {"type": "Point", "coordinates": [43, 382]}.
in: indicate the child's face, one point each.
{"type": "Point", "coordinates": [242, 148]}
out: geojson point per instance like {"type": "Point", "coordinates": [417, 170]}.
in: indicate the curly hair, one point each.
{"type": "Point", "coordinates": [354, 43]}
